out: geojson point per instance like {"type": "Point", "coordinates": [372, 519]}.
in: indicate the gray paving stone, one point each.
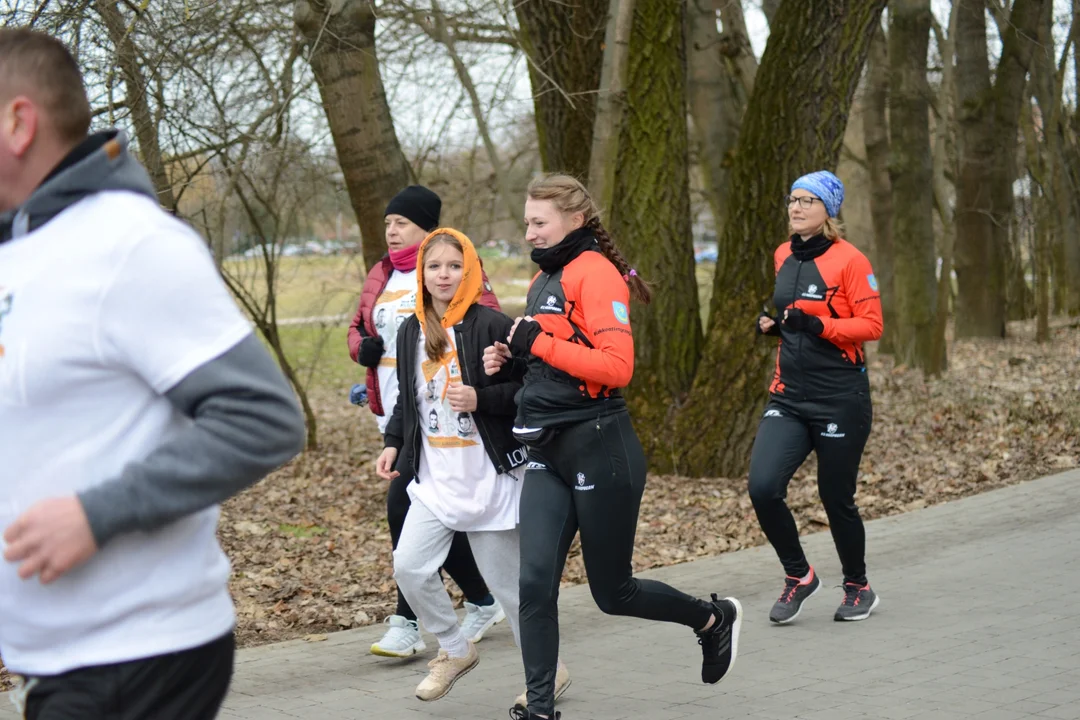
{"type": "Point", "coordinates": [964, 630]}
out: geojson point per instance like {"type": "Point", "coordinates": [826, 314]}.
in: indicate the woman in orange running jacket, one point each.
{"type": "Point", "coordinates": [586, 468]}
{"type": "Point", "coordinates": [820, 395]}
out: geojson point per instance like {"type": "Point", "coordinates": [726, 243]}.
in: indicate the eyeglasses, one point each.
{"type": "Point", "coordinates": [806, 202]}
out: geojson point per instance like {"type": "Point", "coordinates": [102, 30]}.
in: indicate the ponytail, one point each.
{"type": "Point", "coordinates": [639, 289]}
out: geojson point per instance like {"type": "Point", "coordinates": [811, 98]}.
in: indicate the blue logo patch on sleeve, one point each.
{"type": "Point", "coordinates": [621, 313]}
{"type": "Point", "coordinates": [873, 282]}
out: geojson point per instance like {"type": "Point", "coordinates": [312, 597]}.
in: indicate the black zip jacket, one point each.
{"type": "Point", "coordinates": [495, 406]}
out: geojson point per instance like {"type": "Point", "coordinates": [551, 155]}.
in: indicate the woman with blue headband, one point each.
{"type": "Point", "coordinates": [827, 306]}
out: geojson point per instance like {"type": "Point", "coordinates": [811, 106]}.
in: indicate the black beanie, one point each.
{"type": "Point", "coordinates": [418, 204]}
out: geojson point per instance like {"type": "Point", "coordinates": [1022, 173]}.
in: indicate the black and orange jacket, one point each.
{"type": "Point", "coordinates": [834, 282]}
{"type": "Point", "coordinates": [584, 352]}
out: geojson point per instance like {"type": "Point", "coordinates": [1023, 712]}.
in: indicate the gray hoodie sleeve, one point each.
{"type": "Point", "coordinates": [246, 423]}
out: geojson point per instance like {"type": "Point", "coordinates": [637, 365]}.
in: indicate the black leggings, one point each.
{"type": "Point", "coordinates": [837, 429]}
{"type": "Point", "coordinates": [459, 564]}
{"type": "Point", "coordinates": [590, 477]}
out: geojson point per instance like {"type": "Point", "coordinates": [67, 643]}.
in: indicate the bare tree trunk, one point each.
{"type": "Point", "coordinates": [722, 69]}
{"type": "Point", "coordinates": [650, 221]}
{"type": "Point", "coordinates": [341, 37]}
{"type": "Point", "coordinates": [564, 43]}
{"type": "Point", "coordinates": [980, 261]}
{"type": "Point", "coordinates": [876, 137]}
{"type": "Point", "coordinates": [610, 103]}
{"type": "Point", "coordinates": [137, 88]}
{"type": "Point", "coordinates": [1045, 169]}
{"type": "Point", "coordinates": [714, 114]}
{"type": "Point", "coordinates": [944, 283]}
{"type": "Point", "coordinates": [911, 175]}
{"type": "Point", "coordinates": [735, 45]}
{"type": "Point", "coordinates": [1038, 171]}
{"type": "Point", "coordinates": [789, 127]}
{"type": "Point", "coordinates": [989, 123]}
{"type": "Point", "coordinates": [944, 157]}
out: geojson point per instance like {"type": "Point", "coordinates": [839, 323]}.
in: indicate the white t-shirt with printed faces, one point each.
{"type": "Point", "coordinates": [105, 308]}
{"type": "Point", "coordinates": [457, 481]}
{"type": "Point", "coordinates": [396, 304]}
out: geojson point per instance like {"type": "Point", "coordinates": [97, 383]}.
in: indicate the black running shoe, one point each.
{"type": "Point", "coordinates": [720, 643]}
{"type": "Point", "coordinates": [520, 713]}
{"type": "Point", "coordinates": [859, 602]}
{"type": "Point", "coordinates": [796, 591]}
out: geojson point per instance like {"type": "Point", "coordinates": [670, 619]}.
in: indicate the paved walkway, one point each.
{"type": "Point", "coordinates": [979, 617]}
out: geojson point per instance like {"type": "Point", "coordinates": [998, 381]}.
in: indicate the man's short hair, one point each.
{"type": "Point", "coordinates": [40, 66]}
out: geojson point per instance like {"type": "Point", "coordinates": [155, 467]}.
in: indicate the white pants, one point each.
{"type": "Point", "coordinates": [421, 551]}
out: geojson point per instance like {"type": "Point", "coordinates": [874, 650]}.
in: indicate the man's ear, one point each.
{"type": "Point", "coordinates": [19, 125]}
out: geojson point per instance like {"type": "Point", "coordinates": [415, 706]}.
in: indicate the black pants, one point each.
{"type": "Point", "coordinates": [590, 477]}
{"type": "Point", "coordinates": [186, 685]}
{"type": "Point", "coordinates": [459, 563]}
{"type": "Point", "coordinates": [836, 429]}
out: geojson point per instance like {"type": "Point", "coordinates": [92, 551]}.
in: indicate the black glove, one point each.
{"type": "Point", "coordinates": [774, 330]}
{"type": "Point", "coordinates": [524, 336]}
{"type": "Point", "coordinates": [371, 351]}
{"type": "Point", "coordinates": [799, 321]}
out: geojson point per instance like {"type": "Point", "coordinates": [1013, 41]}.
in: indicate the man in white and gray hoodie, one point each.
{"type": "Point", "coordinates": [133, 399]}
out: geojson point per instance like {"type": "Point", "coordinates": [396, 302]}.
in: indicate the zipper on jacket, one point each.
{"type": "Point", "coordinates": [798, 335]}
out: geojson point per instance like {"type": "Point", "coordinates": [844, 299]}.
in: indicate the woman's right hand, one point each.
{"type": "Point", "coordinates": [384, 465]}
{"type": "Point", "coordinates": [766, 324]}
{"type": "Point", "coordinates": [495, 356]}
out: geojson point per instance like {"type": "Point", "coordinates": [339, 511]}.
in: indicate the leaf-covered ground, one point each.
{"type": "Point", "coordinates": [311, 550]}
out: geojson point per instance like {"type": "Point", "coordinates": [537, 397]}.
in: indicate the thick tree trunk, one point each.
{"type": "Point", "coordinates": [911, 174]}
{"type": "Point", "coordinates": [342, 55]}
{"type": "Point", "coordinates": [1071, 168]}
{"type": "Point", "coordinates": [135, 84]}
{"type": "Point", "coordinates": [876, 137]}
{"type": "Point", "coordinates": [1010, 82]}
{"type": "Point", "coordinates": [650, 222]}
{"type": "Point", "coordinates": [565, 45]}
{"type": "Point", "coordinates": [611, 104]}
{"type": "Point", "coordinates": [989, 123]}
{"type": "Point", "coordinates": [980, 261]}
{"type": "Point", "coordinates": [789, 129]}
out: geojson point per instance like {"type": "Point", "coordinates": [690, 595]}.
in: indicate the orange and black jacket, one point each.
{"type": "Point", "coordinates": [833, 281]}
{"type": "Point", "coordinates": [580, 350]}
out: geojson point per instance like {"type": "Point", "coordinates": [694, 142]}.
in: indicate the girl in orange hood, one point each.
{"type": "Point", "coordinates": [451, 434]}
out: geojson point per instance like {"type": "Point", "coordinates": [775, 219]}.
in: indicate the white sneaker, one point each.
{"type": "Point", "coordinates": [401, 640]}
{"type": "Point", "coordinates": [562, 683]}
{"type": "Point", "coordinates": [479, 619]}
